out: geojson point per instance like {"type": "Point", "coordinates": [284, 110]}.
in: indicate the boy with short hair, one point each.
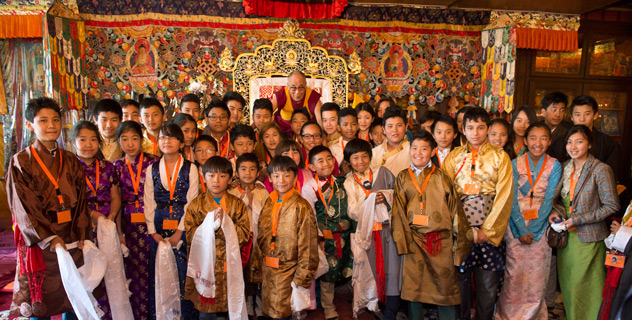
{"type": "Point", "coordinates": [553, 111]}
{"type": "Point", "coordinates": [348, 124]}
{"type": "Point", "coordinates": [261, 113]}
{"type": "Point", "coordinates": [46, 192]}
{"type": "Point", "coordinates": [285, 257]}
{"type": "Point", "coordinates": [242, 140]}
{"type": "Point", "coordinates": [152, 116]}
{"type": "Point", "coordinates": [218, 119]}
{"type": "Point", "coordinates": [376, 132]}
{"type": "Point", "coordinates": [107, 115]}
{"type": "Point", "coordinates": [235, 103]}
{"type": "Point", "coordinates": [444, 130]}
{"type": "Point", "coordinates": [373, 234]}
{"type": "Point", "coordinates": [585, 110]}
{"type": "Point", "coordinates": [299, 117]}
{"type": "Point", "coordinates": [204, 147]}
{"type": "Point", "coordinates": [429, 230]}
{"type": "Point", "coordinates": [329, 201]}
{"type": "Point", "coordinates": [190, 104]}
{"type": "Point", "coordinates": [131, 110]}
{"type": "Point", "coordinates": [483, 177]}
{"type": "Point", "coordinates": [217, 175]}
{"type": "Point", "coordinates": [394, 152]}
{"type": "Point", "coordinates": [329, 115]}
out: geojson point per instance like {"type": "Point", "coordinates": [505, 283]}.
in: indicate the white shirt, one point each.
{"type": "Point", "coordinates": [396, 162]}
{"type": "Point", "coordinates": [441, 154]}
{"type": "Point", "coordinates": [148, 197]}
{"type": "Point", "coordinates": [337, 149]}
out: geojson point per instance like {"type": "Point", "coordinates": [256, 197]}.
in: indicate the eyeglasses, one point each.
{"type": "Point", "coordinates": [311, 136]}
{"type": "Point", "coordinates": [207, 151]}
{"type": "Point", "coordinates": [218, 117]}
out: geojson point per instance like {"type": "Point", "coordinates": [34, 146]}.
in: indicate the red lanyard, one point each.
{"type": "Point", "coordinates": [536, 179]}
{"type": "Point", "coordinates": [225, 151]}
{"type": "Point", "coordinates": [135, 182]}
{"type": "Point", "coordinates": [274, 196]}
{"type": "Point", "coordinates": [366, 192]}
{"type": "Point", "coordinates": [55, 182]}
{"type": "Point", "coordinates": [172, 185]}
{"type": "Point", "coordinates": [423, 187]}
{"type": "Point", "coordinates": [94, 188]}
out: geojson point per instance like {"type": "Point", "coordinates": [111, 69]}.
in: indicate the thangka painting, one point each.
{"type": "Point", "coordinates": [425, 53]}
{"type": "Point", "coordinates": [499, 69]}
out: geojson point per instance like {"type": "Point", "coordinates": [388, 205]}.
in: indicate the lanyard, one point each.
{"type": "Point", "coordinates": [274, 196]}
{"type": "Point", "coordinates": [172, 185]}
{"type": "Point", "coordinates": [203, 184]}
{"type": "Point", "coordinates": [55, 182]}
{"type": "Point", "coordinates": [135, 182]}
{"type": "Point", "coordinates": [423, 187]}
{"type": "Point", "coordinates": [438, 157]}
{"type": "Point", "coordinates": [367, 136]}
{"type": "Point", "coordinates": [520, 148]}
{"type": "Point", "coordinates": [366, 192]}
{"type": "Point", "coordinates": [473, 168]}
{"type": "Point", "coordinates": [320, 192]}
{"type": "Point", "coordinates": [342, 145]}
{"type": "Point", "coordinates": [572, 191]}
{"type": "Point", "coordinates": [267, 157]}
{"type": "Point", "coordinates": [96, 186]}
{"type": "Point", "coordinates": [154, 143]}
{"type": "Point", "coordinates": [531, 183]}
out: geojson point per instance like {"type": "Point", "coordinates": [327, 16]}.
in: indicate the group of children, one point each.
{"type": "Point", "coordinates": [441, 217]}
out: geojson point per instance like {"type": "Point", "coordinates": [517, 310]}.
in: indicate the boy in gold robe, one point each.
{"type": "Point", "coordinates": [430, 231]}
{"type": "Point", "coordinates": [285, 256]}
{"type": "Point", "coordinates": [483, 178]}
{"type": "Point", "coordinates": [218, 173]}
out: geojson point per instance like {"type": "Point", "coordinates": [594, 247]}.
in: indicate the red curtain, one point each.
{"type": "Point", "coordinates": [327, 9]}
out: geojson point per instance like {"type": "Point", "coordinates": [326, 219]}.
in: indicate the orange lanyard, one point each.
{"type": "Point", "coordinates": [572, 191]}
{"type": "Point", "coordinates": [366, 192]}
{"type": "Point", "coordinates": [320, 192]}
{"type": "Point", "coordinates": [225, 151]}
{"type": "Point", "coordinates": [342, 145]}
{"type": "Point", "coordinates": [520, 148]}
{"type": "Point", "coordinates": [536, 179]}
{"type": "Point", "coordinates": [135, 182]}
{"type": "Point", "coordinates": [55, 182]}
{"type": "Point", "coordinates": [94, 188]}
{"type": "Point", "coordinates": [423, 187]}
{"type": "Point", "coordinates": [202, 181]}
{"type": "Point", "coordinates": [473, 168]}
{"type": "Point", "coordinates": [172, 185]}
{"type": "Point", "coordinates": [154, 144]}
{"type": "Point", "coordinates": [274, 196]}
{"type": "Point", "coordinates": [267, 157]}
{"type": "Point", "coordinates": [367, 136]}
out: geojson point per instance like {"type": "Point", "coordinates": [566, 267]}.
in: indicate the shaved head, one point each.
{"type": "Point", "coordinates": [297, 83]}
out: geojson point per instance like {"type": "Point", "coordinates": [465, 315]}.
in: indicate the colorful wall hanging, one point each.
{"type": "Point", "coordinates": [23, 18]}
{"type": "Point", "coordinates": [543, 30]}
{"type": "Point", "coordinates": [65, 56]}
{"type": "Point", "coordinates": [428, 53]}
{"type": "Point", "coordinates": [498, 68]}
{"type": "Point", "coordinates": [296, 9]}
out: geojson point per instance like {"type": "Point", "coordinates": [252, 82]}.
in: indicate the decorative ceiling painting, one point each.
{"type": "Point", "coordinates": [430, 54]}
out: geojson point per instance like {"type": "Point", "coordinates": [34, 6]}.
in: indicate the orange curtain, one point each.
{"type": "Point", "coordinates": [21, 26]}
{"type": "Point", "coordinates": [550, 40]}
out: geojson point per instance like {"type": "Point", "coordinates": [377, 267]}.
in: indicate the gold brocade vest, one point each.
{"type": "Point", "coordinates": [288, 109]}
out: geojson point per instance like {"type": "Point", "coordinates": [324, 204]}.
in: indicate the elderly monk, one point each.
{"type": "Point", "coordinates": [295, 95]}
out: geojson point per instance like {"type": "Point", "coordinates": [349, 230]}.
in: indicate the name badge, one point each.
{"type": "Point", "coordinates": [138, 217]}
{"type": "Point", "coordinates": [420, 220]}
{"type": "Point", "coordinates": [377, 226]}
{"type": "Point", "coordinates": [530, 214]}
{"type": "Point", "coordinates": [169, 224]}
{"type": "Point", "coordinates": [272, 262]}
{"type": "Point", "coordinates": [472, 188]}
{"type": "Point", "coordinates": [63, 216]}
{"type": "Point", "coordinates": [328, 234]}
{"type": "Point", "coordinates": [615, 260]}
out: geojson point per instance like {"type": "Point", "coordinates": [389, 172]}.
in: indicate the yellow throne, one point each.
{"type": "Point", "coordinates": [263, 72]}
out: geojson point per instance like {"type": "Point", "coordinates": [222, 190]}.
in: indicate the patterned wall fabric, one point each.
{"type": "Point", "coordinates": [499, 69]}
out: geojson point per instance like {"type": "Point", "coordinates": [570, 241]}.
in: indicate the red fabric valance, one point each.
{"type": "Point", "coordinates": [296, 9]}
{"type": "Point", "coordinates": [21, 26]}
{"type": "Point", "coordinates": [544, 39]}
